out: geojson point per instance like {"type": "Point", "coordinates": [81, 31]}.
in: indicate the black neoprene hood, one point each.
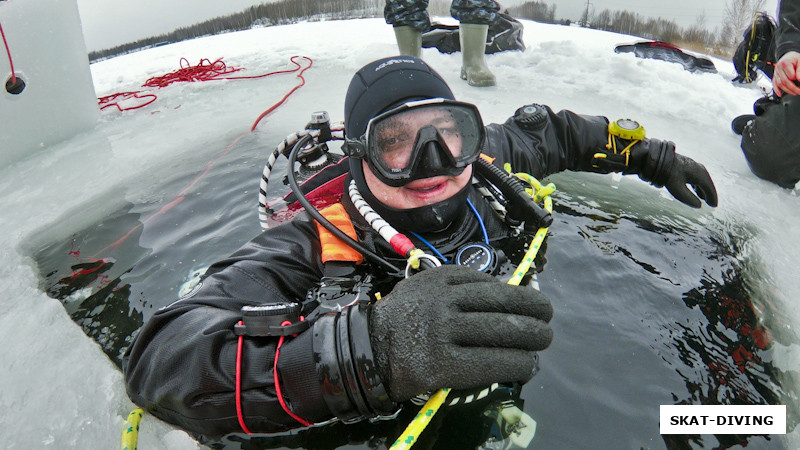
{"type": "Point", "coordinates": [383, 84]}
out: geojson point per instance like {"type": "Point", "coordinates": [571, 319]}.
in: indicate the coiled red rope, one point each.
{"type": "Point", "coordinates": [181, 195]}
{"type": "Point", "coordinates": [115, 99]}
{"type": "Point", "coordinates": [205, 70]}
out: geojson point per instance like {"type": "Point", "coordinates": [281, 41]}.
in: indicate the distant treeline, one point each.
{"type": "Point", "coordinates": [276, 13]}
{"type": "Point", "coordinates": [291, 11]}
{"type": "Point", "coordinates": [696, 37]}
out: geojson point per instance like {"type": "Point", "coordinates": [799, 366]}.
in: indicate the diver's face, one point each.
{"type": "Point", "coordinates": [395, 141]}
{"type": "Point", "coordinates": [394, 136]}
{"type": "Point", "coordinates": [422, 192]}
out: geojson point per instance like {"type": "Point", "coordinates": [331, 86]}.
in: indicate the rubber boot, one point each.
{"type": "Point", "coordinates": [740, 122]}
{"type": "Point", "coordinates": [409, 40]}
{"type": "Point", "coordinates": [473, 46]}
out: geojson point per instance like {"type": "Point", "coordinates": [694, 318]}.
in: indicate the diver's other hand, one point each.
{"type": "Point", "coordinates": [787, 73]}
{"type": "Point", "coordinates": [688, 171]}
{"type": "Point", "coordinates": [656, 162]}
{"type": "Point", "coordinates": [455, 327]}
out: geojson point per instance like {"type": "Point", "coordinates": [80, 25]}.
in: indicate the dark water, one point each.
{"type": "Point", "coordinates": [649, 310]}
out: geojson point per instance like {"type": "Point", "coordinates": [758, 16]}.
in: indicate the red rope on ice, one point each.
{"type": "Point", "coordinates": [205, 70]}
{"type": "Point", "coordinates": [8, 52]}
{"type": "Point", "coordinates": [181, 195]}
{"type": "Point", "coordinates": [114, 99]}
{"type": "Point", "coordinates": [302, 83]}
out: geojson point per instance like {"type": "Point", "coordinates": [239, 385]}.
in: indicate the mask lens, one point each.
{"type": "Point", "coordinates": [394, 141]}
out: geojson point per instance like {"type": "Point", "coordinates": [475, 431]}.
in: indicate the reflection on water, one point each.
{"type": "Point", "coordinates": [729, 358]}
{"type": "Point", "coordinates": [91, 286]}
{"type": "Point", "coordinates": [649, 310]}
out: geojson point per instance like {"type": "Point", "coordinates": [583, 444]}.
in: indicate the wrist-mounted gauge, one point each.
{"type": "Point", "coordinates": [627, 129]}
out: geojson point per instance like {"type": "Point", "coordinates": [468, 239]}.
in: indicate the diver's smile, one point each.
{"type": "Point", "coordinates": [427, 185]}
{"type": "Point", "coordinates": [419, 192]}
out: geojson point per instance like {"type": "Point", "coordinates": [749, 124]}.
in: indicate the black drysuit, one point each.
{"type": "Point", "coordinates": [180, 366]}
{"type": "Point", "coordinates": [771, 142]}
{"type": "Point", "coordinates": [787, 35]}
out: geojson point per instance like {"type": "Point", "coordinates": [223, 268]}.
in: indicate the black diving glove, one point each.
{"type": "Point", "coordinates": [455, 327]}
{"type": "Point", "coordinates": [656, 162]}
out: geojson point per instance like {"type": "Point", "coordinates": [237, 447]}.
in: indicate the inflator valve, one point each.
{"type": "Point", "coordinates": [320, 120]}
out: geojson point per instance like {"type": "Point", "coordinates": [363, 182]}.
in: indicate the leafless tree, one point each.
{"type": "Point", "coordinates": [737, 16]}
{"type": "Point", "coordinates": [534, 10]}
{"type": "Point", "coordinates": [588, 13]}
{"type": "Point", "coordinates": [602, 20]}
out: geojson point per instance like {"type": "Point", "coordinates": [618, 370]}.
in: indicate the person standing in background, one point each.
{"type": "Point", "coordinates": [771, 137]}
{"type": "Point", "coordinates": [410, 19]}
{"type": "Point", "coordinates": [787, 40]}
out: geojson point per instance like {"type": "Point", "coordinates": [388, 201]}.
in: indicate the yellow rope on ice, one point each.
{"type": "Point", "coordinates": [130, 430]}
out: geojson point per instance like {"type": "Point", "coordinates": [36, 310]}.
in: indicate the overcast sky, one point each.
{"type": "Point", "coordinates": [107, 23]}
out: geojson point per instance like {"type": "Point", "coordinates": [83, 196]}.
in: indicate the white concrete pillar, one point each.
{"type": "Point", "coordinates": [48, 51]}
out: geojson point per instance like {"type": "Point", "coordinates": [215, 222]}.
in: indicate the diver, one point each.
{"type": "Point", "coordinates": [291, 331]}
{"type": "Point", "coordinates": [770, 137]}
{"type": "Point", "coordinates": [409, 19]}
{"type": "Point", "coordinates": [786, 78]}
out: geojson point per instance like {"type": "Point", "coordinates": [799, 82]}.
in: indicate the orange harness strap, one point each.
{"type": "Point", "coordinates": [333, 249]}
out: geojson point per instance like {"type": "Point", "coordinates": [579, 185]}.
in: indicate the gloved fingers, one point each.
{"type": "Point", "coordinates": [502, 331]}
{"type": "Point", "coordinates": [455, 275]}
{"type": "Point", "coordinates": [695, 174]}
{"type": "Point", "coordinates": [495, 296]}
{"type": "Point", "coordinates": [682, 193]}
{"type": "Point", "coordinates": [448, 275]}
{"type": "Point", "coordinates": [698, 177]}
{"type": "Point", "coordinates": [482, 366]}
{"type": "Point", "coordinates": [706, 192]}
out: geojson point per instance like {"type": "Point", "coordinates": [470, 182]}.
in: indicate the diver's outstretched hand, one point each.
{"type": "Point", "coordinates": [687, 171]}
{"type": "Point", "coordinates": [455, 327]}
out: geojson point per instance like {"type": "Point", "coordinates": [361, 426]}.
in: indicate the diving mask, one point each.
{"type": "Point", "coordinates": [420, 139]}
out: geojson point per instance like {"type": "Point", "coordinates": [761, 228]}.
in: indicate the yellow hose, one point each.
{"type": "Point", "coordinates": [538, 193]}
{"type": "Point", "coordinates": [130, 430]}
{"type": "Point", "coordinates": [423, 418]}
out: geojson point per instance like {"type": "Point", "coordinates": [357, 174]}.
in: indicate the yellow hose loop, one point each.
{"type": "Point", "coordinates": [539, 193]}
{"type": "Point", "coordinates": [421, 420]}
{"type": "Point", "coordinates": [413, 258]}
{"type": "Point", "coordinates": [130, 430]}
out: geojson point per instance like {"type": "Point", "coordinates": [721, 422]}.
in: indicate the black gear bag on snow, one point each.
{"type": "Point", "coordinates": [505, 33]}
{"type": "Point", "coordinates": [667, 52]}
{"type": "Point", "coordinates": [757, 50]}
